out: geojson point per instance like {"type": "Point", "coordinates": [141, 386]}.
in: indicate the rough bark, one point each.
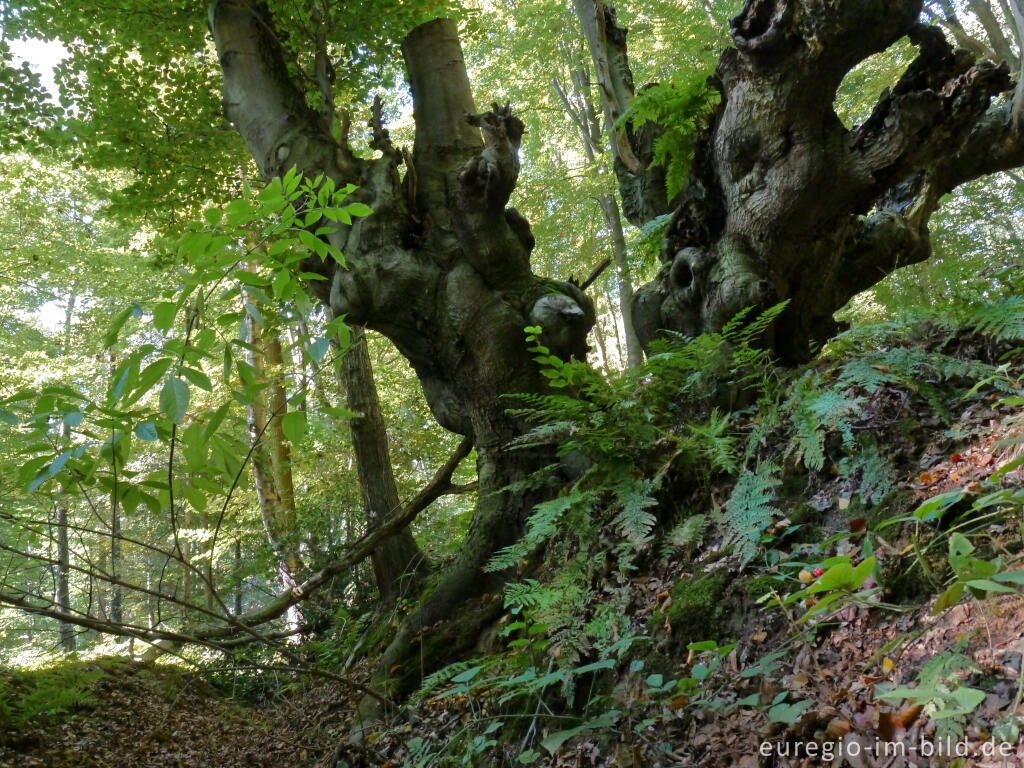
{"type": "Point", "coordinates": [641, 183]}
{"type": "Point", "coordinates": [783, 202]}
{"type": "Point", "coordinates": [442, 267]}
{"type": "Point", "coordinates": [398, 563]}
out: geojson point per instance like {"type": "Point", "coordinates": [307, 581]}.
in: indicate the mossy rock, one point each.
{"type": "Point", "coordinates": [759, 586]}
{"type": "Point", "coordinates": [697, 605]}
{"type": "Point", "coordinates": [804, 513]}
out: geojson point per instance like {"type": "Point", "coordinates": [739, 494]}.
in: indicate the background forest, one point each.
{"type": "Point", "coordinates": [220, 504]}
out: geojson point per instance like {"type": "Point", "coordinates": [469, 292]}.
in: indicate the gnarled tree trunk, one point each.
{"type": "Point", "coordinates": [442, 267]}
{"type": "Point", "coordinates": [784, 202]}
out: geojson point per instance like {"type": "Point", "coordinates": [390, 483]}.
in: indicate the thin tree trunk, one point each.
{"type": "Point", "coordinates": [398, 563]}
{"type": "Point", "coordinates": [619, 351]}
{"type": "Point", "coordinates": [151, 606]}
{"type": "Point", "coordinates": [63, 590]}
{"type": "Point", "coordinates": [280, 446]}
{"type": "Point", "coordinates": [238, 565]}
{"type": "Point", "coordinates": [67, 631]}
{"type": "Point", "coordinates": [116, 593]}
{"type": "Point", "coordinates": [602, 352]}
{"type": "Point", "coordinates": [613, 221]}
{"type": "Point", "coordinates": [271, 456]}
{"type": "Point", "coordinates": [576, 100]}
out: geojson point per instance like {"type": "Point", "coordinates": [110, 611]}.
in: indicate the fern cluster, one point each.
{"type": "Point", "coordinates": [630, 431]}
{"type": "Point", "coordinates": [1003, 320]}
{"type": "Point", "coordinates": [620, 438]}
{"type": "Point", "coordinates": [676, 106]}
{"type": "Point", "coordinates": [834, 399]}
{"type": "Point", "coordinates": [26, 696]}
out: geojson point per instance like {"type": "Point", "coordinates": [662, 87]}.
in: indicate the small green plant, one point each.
{"type": "Point", "coordinates": [840, 583]}
{"type": "Point", "coordinates": [940, 691]}
{"type": "Point", "coordinates": [677, 106]}
{"type": "Point", "coordinates": [26, 696]}
{"type": "Point", "coordinates": [975, 576]}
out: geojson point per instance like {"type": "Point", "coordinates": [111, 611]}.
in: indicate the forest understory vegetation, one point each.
{"type": "Point", "coordinates": [764, 560]}
{"type": "Point", "coordinates": [668, 411]}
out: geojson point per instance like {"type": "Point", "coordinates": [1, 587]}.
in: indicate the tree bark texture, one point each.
{"type": "Point", "coordinates": [442, 267]}
{"type": "Point", "coordinates": [784, 202]}
{"type": "Point", "coordinates": [398, 563]}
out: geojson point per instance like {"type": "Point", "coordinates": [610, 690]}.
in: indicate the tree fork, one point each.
{"type": "Point", "coordinates": [441, 268]}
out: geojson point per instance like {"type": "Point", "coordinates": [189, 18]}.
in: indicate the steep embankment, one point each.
{"type": "Point", "coordinates": [845, 591]}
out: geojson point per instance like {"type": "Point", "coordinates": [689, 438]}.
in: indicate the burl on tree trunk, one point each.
{"type": "Point", "coordinates": [442, 267]}
{"type": "Point", "coordinates": [784, 202]}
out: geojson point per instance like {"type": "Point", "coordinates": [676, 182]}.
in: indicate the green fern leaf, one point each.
{"type": "Point", "coordinates": [750, 511]}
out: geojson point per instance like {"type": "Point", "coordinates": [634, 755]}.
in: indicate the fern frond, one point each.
{"type": "Point", "coordinates": [750, 511]}
{"type": "Point", "coordinates": [541, 526]}
{"type": "Point", "coordinates": [634, 523]}
{"type": "Point", "coordinates": [713, 443]}
{"type": "Point", "coordinates": [868, 469]}
{"type": "Point", "coordinates": [434, 681]}
{"type": "Point", "coordinates": [1003, 321]}
{"type": "Point", "coordinates": [689, 533]}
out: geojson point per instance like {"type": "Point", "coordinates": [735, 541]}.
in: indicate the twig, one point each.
{"type": "Point", "coordinates": [596, 273]}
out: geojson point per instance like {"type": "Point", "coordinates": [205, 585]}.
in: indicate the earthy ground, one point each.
{"type": "Point", "coordinates": [143, 716]}
{"type": "Point", "coordinates": [147, 717]}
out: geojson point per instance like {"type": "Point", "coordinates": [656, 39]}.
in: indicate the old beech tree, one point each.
{"type": "Point", "coordinates": [783, 202]}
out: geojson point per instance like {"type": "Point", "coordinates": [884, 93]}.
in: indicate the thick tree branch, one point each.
{"type": "Point", "coordinates": [260, 99]}
{"type": "Point", "coordinates": [993, 29]}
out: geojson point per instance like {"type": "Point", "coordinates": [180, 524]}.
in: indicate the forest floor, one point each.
{"type": "Point", "coordinates": [138, 715]}
{"type": "Point", "coordinates": [786, 685]}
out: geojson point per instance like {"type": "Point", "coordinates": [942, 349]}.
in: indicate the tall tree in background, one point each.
{"type": "Point", "coordinates": [398, 563]}
{"type": "Point", "coordinates": [574, 92]}
{"type": "Point", "coordinates": [271, 455]}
